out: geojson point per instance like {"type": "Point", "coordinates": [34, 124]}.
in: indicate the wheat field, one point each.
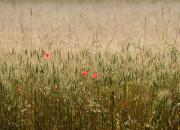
{"type": "Point", "coordinates": [109, 65]}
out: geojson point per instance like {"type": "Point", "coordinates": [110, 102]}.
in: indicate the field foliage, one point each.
{"type": "Point", "coordinates": [132, 49]}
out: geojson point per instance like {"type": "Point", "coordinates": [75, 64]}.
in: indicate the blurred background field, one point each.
{"type": "Point", "coordinates": [89, 0]}
{"type": "Point", "coordinates": [36, 25]}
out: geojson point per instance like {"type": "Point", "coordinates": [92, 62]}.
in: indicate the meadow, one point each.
{"type": "Point", "coordinates": [90, 66]}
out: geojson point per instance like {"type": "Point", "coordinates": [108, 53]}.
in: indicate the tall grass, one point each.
{"type": "Point", "coordinates": [138, 90]}
{"type": "Point", "coordinates": [134, 49]}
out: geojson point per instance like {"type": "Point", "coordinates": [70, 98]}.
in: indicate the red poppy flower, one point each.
{"type": "Point", "coordinates": [95, 76]}
{"type": "Point", "coordinates": [88, 65]}
{"type": "Point", "coordinates": [47, 55]}
{"type": "Point", "coordinates": [84, 73]}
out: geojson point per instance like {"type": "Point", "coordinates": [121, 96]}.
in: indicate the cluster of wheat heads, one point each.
{"type": "Point", "coordinates": [136, 90]}
{"type": "Point", "coordinates": [49, 53]}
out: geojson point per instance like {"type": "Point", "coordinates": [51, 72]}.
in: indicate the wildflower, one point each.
{"type": "Point", "coordinates": [173, 66]}
{"type": "Point", "coordinates": [20, 89]}
{"type": "Point", "coordinates": [87, 64]}
{"type": "Point", "coordinates": [55, 88]}
{"type": "Point", "coordinates": [95, 76]}
{"type": "Point", "coordinates": [47, 55]}
{"type": "Point", "coordinates": [84, 73]}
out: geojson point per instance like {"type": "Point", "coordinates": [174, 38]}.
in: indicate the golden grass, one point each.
{"type": "Point", "coordinates": [81, 25]}
{"type": "Point", "coordinates": [134, 49]}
